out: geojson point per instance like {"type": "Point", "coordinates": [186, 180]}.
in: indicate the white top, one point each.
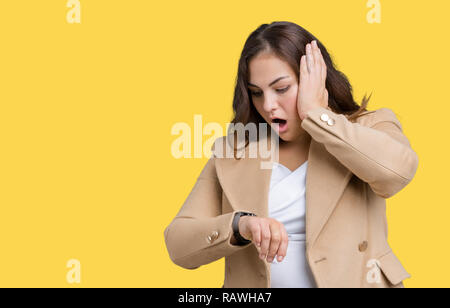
{"type": "Point", "coordinates": [287, 205]}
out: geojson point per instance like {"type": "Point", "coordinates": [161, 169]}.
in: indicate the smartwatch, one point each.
{"type": "Point", "coordinates": [240, 240]}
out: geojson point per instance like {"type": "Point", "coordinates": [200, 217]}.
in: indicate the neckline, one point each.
{"type": "Point", "coordinates": [291, 171]}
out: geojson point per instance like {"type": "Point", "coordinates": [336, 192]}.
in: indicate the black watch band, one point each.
{"type": "Point", "coordinates": [237, 235]}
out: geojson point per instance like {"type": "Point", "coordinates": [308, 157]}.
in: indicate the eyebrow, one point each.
{"type": "Point", "coordinates": [273, 82]}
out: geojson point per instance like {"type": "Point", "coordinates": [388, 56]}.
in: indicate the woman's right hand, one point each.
{"type": "Point", "coordinates": [268, 234]}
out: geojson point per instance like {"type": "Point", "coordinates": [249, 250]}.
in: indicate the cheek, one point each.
{"type": "Point", "coordinates": [291, 101]}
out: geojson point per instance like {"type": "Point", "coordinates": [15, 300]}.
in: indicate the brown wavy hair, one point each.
{"type": "Point", "coordinates": [288, 41]}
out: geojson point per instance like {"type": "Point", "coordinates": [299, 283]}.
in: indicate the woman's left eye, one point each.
{"type": "Point", "coordinates": [282, 90]}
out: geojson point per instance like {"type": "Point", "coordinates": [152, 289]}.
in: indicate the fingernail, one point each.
{"type": "Point", "coordinates": [261, 256]}
{"type": "Point", "coordinates": [280, 258]}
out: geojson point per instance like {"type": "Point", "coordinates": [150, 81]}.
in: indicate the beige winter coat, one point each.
{"type": "Point", "coordinates": [352, 169]}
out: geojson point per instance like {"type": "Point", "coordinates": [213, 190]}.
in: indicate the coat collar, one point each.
{"type": "Point", "coordinates": [246, 185]}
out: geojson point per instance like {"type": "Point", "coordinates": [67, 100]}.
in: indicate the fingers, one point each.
{"type": "Point", "coordinates": [303, 67]}
{"type": "Point", "coordinates": [313, 60]}
{"type": "Point", "coordinates": [256, 234]}
{"type": "Point", "coordinates": [320, 62]}
{"type": "Point", "coordinates": [265, 239]}
{"type": "Point", "coordinates": [313, 75]}
{"type": "Point", "coordinates": [314, 57]}
{"type": "Point", "coordinates": [309, 58]}
{"type": "Point", "coordinates": [282, 250]}
{"type": "Point", "coordinates": [274, 241]}
{"type": "Point", "coordinates": [323, 65]}
{"type": "Point", "coordinates": [315, 54]}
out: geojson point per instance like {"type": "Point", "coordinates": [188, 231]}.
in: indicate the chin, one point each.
{"type": "Point", "coordinates": [284, 138]}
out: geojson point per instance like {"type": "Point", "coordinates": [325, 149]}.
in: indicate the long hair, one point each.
{"type": "Point", "coordinates": [288, 41]}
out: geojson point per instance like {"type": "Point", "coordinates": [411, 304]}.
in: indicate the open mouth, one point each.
{"type": "Point", "coordinates": [280, 121]}
{"type": "Point", "coordinates": [282, 124]}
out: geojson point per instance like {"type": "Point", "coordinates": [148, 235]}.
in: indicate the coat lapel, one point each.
{"type": "Point", "coordinates": [246, 186]}
{"type": "Point", "coordinates": [244, 183]}
{"type": "Point", "coordinates": [326, 179]}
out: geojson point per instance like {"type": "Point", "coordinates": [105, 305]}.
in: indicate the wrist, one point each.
{"type": "Point", "coordinates": [241, 225]}
{"type": "Point", "coordinates": [304, 113]}
{"type": "Point", "coordinates": [236, 226]}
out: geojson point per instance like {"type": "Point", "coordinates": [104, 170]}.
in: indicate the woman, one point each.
{"type": "Point", "coordinates": [317, 218]}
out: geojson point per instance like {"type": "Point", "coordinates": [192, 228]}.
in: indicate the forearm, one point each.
{"type": "Point", "coordinates": [193, 242]}
{"type": "Point", "coordinates": [379, 155]}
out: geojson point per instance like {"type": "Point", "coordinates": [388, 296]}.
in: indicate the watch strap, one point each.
{"type": "Point", "coordinates": [240, 240]}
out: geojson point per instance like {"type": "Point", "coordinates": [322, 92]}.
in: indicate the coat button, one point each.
{"type": "Point", "coordinates": [212, 237]}
{"type": "Point", "coordinates": [215, 235]}
{"type": "Point", "coordinates": [330, 122]}
{"type": "Point", "coordinates": [324, 117]}
{"type": "Point", "coordinates": [363, 246]}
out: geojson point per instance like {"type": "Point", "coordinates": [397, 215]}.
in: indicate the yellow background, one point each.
{"type": "Point", "coordinates": [86, 113]}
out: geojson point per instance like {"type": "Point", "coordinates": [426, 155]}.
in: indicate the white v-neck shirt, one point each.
{"type": "Point", "coordinates": [287, 204]}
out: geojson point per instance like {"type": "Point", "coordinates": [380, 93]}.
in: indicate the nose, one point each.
{"type": "Point", "coordinates": [270, 103]}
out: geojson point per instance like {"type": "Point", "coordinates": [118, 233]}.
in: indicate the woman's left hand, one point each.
{"type": "Point", "coordinates": [313, 73]}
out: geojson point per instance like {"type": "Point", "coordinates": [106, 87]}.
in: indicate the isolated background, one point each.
{"type": "Point", "coordinates": [86, 112]}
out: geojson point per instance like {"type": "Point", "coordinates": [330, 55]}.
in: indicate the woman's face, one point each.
{"type": "Point", "coordinates": [273, 86]}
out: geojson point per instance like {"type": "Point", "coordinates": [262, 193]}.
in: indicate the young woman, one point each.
{"type": "Point", "coordinates": [317, 218]}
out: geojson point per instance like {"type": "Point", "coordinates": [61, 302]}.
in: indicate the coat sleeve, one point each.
{"type": "Point", "coordinates": [378, 153]}
{"type": "Point", "coordinates": [186, 237]}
